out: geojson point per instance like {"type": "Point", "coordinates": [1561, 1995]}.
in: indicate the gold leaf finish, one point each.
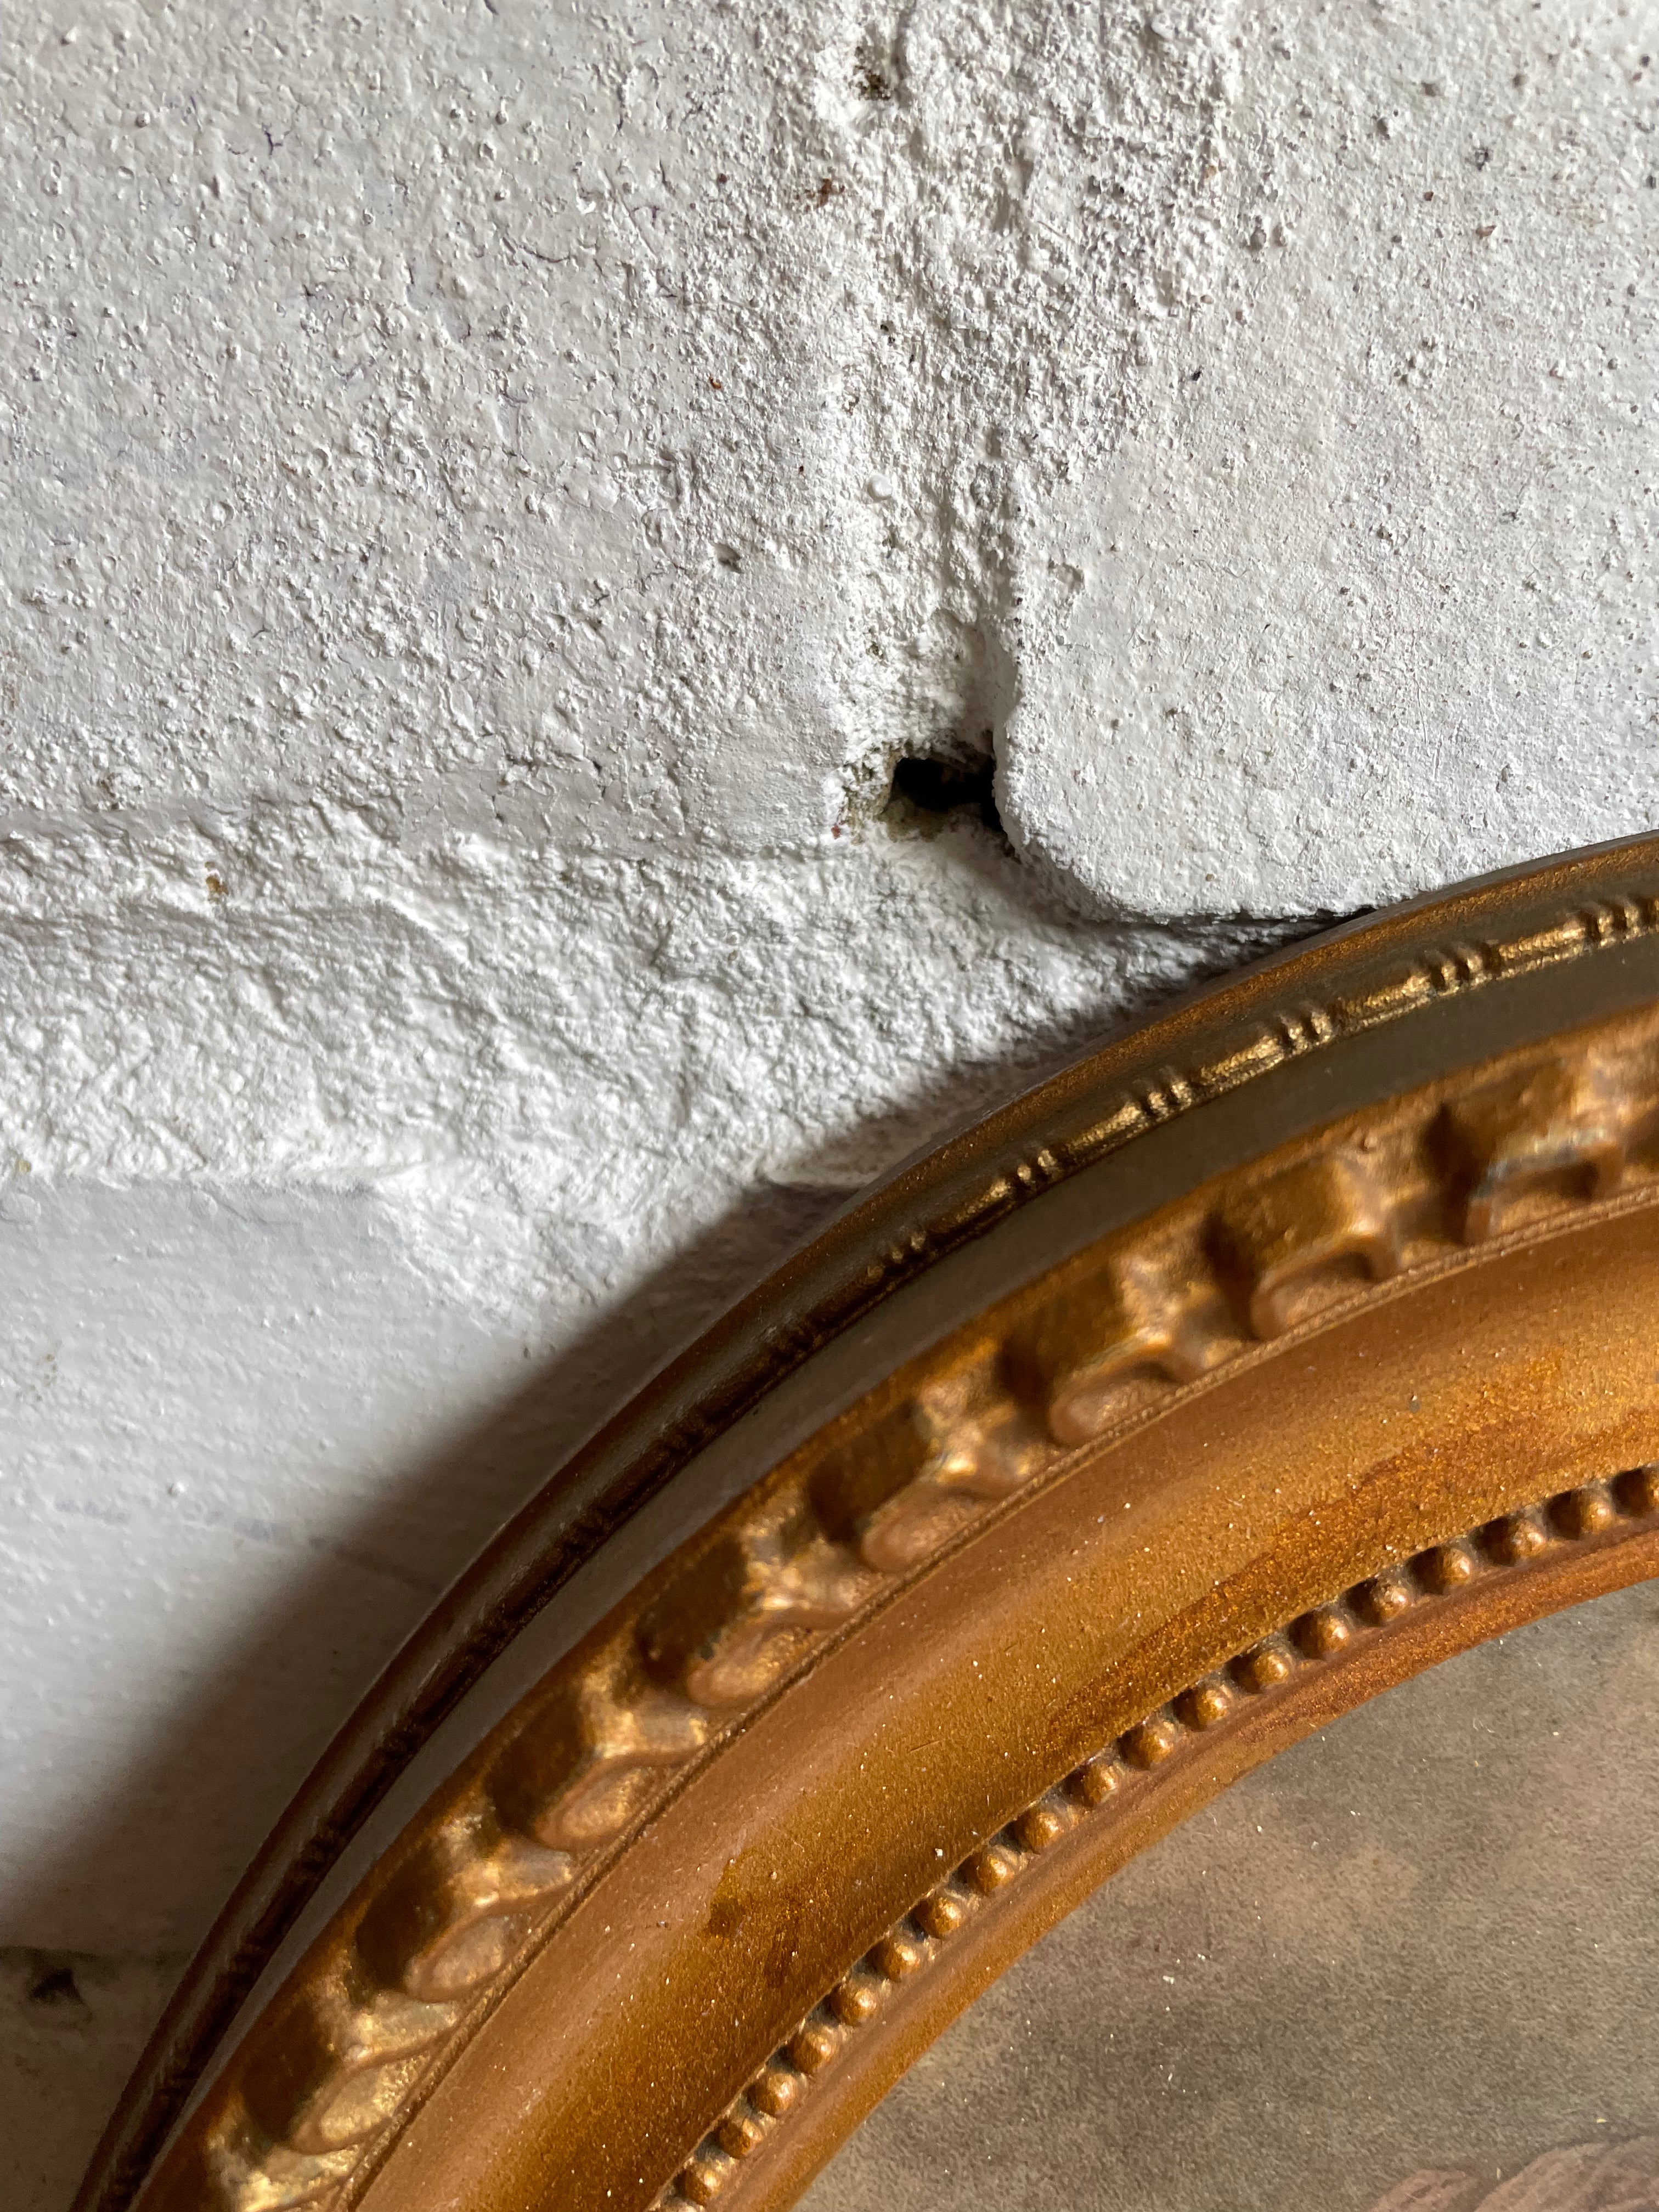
{"type": "Point", "coordinates": [1135, 1764]}
{"type": "Point", "coordinates": [1331, 1178]}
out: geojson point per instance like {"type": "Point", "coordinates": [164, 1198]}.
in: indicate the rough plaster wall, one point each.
{"type": "Point", "coordinates": [256, 1416]}
{"type": "Point", "coordinates": [1363, 598]}
{"type": "Point", "coordinates": [491, 490]}
{"type": "Point", "coordinates": [224, 1387]}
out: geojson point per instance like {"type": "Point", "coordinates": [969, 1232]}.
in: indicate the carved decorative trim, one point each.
{"type": "Point", "coordinates": [1346, 1217]}
{"type": "Point", "coordinates": [1105, 1785]}
{"type": "Point", "coordinates": [837, 1528]}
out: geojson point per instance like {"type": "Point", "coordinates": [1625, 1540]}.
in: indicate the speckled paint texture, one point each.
{"type": "Point", "coordinates": [491, 491]}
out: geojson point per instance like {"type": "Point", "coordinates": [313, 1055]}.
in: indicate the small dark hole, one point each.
{"type": "Point", "coordinates": [872, 79]}
{"type": "Point", "coordinates": [940, 787]}
{"type": "Point", "coordinates": [57, 1985]}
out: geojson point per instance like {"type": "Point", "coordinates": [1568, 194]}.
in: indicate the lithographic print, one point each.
{"type": "Point", "coordinates": [1410, 1966]}
{"type": "Point", "coordinates": [1188, 1536]}
{"type": "Point", "coordinates": [1584, 2178]}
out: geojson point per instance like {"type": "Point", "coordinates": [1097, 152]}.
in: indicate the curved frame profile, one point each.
{"type": "Point", "coordinates": [1259, 1359]}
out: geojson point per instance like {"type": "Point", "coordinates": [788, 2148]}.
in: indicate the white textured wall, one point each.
{"type": "Point", "coordinates": [1357, 594]}
{"type": "Point", "coordinates": [490, 491]}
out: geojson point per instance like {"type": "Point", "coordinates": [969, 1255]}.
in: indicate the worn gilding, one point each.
{"type": "Point", "coordinates": [1130, 1495]}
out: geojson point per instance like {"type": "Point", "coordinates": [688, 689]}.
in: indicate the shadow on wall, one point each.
{"type": "Point", "coordinates": [196, 1792]}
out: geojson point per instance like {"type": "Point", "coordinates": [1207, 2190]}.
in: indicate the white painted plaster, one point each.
{"type": "Point", "coordinates": [1362, 599]}
{"type": "Point", "coordinates": [490, 489]}
{"type": "Point", "coordinates": [413, 1164]}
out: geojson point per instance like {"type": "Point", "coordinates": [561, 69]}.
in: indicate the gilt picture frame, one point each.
{"type": "Point", "coordinates": [1275, 1353]}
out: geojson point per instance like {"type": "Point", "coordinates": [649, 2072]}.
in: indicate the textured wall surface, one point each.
{"type": "Point", "coordinates": [1358, 594]}
{"type": "Point", "coordinates": [491, 491]}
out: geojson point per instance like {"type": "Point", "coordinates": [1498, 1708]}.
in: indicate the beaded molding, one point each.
{"type": "Point", "coordinates": [452, 1914]}
{"type": "Point", "coordinates": [1110, 1778]}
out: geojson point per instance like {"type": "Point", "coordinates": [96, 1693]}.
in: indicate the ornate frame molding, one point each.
{"type": "Point", "coordinates": [770, 2139]}
{"type": "Point", "coordinates": [1300, 1290]}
